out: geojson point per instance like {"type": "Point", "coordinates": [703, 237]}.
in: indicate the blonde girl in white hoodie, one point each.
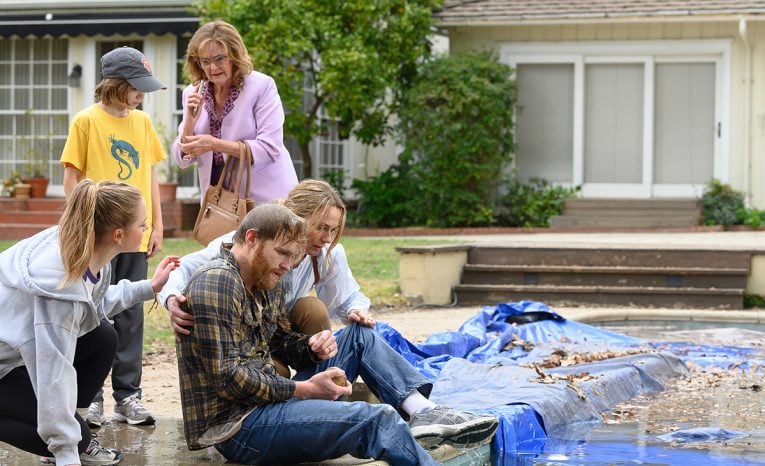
{"type": "Point", "coordinates": [55, 349]}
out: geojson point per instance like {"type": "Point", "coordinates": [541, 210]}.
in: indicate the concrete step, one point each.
{"type": "Point", "coordinates": [635, 220]}
{"type": "Point", "coordinates": [630, 204]}
{"type": "Point", "coordinates": [631, 213]}
{"type": "Point", "coordinates": [628, 213]}
{"type": "Point", "coordinates": [721, 298]}
{"type": "Point", "coordinates": [609, 257]}
{"type": "Point", "coordinates": [670, 277]}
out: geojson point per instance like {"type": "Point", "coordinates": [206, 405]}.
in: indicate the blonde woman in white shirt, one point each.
{"type": "Point", "coordinates": [323, 268]}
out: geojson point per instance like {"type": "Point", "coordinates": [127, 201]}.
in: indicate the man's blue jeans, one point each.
{"type": "Point", "coordinates": [297, 431]}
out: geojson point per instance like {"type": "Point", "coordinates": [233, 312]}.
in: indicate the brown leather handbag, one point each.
{"type": "Point", "coordinates": [224, 208]}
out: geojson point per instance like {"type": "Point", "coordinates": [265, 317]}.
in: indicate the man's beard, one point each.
{"type": "Point", "coordinates": [262, 272]}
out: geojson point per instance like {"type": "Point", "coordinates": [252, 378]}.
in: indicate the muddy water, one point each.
{"type": "Point", "coordinates": [731, 399]}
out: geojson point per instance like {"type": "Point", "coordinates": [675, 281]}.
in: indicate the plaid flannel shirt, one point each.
{"type": "Point", "coordinates": [225, 366]}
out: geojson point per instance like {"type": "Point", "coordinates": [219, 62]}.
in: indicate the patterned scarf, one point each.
{"type": "Point", "coordinates": [216, 121]}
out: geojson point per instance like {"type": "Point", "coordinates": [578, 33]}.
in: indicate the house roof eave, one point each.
{"type": "Point", "coordinates": [589, 19]}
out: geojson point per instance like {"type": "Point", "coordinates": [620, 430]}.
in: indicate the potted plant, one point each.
{"type": "Point", "coordinates": [38, 183]}
{"type": "Point", "coordinates": [35, 169]}
{"type": "Point", "coordinates": [34, 152]}
{"type": "Point", "coordinates": [168, 171]}
{"type": "Point", "coordinates": [14, 186]}
{"type": "Point", "coordinates": [168, 184]}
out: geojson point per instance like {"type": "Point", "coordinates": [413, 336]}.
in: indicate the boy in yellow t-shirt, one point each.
{"type": "Point", "coordinates": [111, 140]}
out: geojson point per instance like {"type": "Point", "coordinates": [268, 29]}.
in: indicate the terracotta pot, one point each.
{"type": "Point", "coordinates": [167, 191]}
{"type": "Point", "coordinates": [39, 185]}
{"type": "Point", "coordinates": [22, 190]}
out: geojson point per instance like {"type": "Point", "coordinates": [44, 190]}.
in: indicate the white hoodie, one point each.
{"type": "Point", "coordinates": [40, 327]}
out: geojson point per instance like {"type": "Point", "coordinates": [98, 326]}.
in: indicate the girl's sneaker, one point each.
{"type": "Point", "coordinates": [95, 455]}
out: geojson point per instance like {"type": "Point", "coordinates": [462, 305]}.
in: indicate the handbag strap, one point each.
{"type": "Point", "coordinates": [315, 264]}
{"type": "Point", "coordinates": [245, 161]}
{"type": "Point", "coordinates": [233, 183]}
{"type": "Point", "coordinates": [225, 173]}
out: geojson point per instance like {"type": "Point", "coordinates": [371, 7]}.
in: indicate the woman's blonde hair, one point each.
{"type": "Point", "coordinates": [111, 90]}
{"type": "Point", "coordinates": [90, 213]}
{"type": "Point", "coordinates": [228, 37]}
{"type": "Point", "coordinates": [314, 198]}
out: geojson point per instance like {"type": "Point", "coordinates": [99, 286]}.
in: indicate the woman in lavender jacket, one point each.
{"type": "Point", "coordinates": [228, 102]}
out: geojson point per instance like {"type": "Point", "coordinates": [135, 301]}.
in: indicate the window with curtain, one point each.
{"type": "Point", "coordinates": [544, 122]}
{"type": "Point", "coordinates": [33, 105]}
{"type": "Point", "coordinates": [684, 122]}
{"type": "Point", "coordinates": [613, 125]}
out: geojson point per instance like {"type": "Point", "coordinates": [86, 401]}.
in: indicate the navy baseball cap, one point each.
{"type": "Point", "coordinates": [131, 65]}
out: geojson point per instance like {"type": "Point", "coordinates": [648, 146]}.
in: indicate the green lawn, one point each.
{"type": "Point", "coordinates": [374, 263]}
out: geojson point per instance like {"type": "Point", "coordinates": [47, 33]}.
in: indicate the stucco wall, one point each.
{"type": "Point", "coordinates": [746, 109]}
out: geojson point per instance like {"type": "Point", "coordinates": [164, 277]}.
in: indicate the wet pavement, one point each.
{"type": "Point", "coordinates": [162, 444]}
{"type": "Point", "coordinates": [712, 397]}
{"type": "Point", "coordinates": [731, 399]}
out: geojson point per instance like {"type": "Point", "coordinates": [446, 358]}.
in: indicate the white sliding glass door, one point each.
{"type": "Point", "coordinates": [647, 123]}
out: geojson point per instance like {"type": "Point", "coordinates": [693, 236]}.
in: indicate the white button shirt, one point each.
{"type": "Point", "coordinates": [336, 286]}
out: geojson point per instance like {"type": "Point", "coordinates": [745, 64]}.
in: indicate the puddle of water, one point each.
{"type": "Point", "coordinates": [629, 444]}
{"type": "Point", "coordinates": [722, 333]}
{"type": "Point", "coordinates": [162, 444]}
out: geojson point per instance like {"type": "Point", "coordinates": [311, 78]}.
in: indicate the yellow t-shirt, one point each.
{"type": "Point", "coordinates": [105, 147]}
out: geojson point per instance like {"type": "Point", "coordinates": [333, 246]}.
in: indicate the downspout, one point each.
{"type": "Point", "coordinates": [742, 32]}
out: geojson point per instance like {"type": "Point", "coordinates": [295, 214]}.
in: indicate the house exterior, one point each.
{"type": "Point", "coordinates": [50, 64]}
{"type": "Point", "coordinates": [629, 98]}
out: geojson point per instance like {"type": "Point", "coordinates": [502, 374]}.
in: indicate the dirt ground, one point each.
{"type": "Point", "coordinates": [160, 376]}
{"type": "Point", "coordinates": [161, 393]}
{"type": "Point", "coordinates": [732, 399]}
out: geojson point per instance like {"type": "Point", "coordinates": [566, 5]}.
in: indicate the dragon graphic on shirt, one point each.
{"type": "Point", "coordinates": [124, 153]}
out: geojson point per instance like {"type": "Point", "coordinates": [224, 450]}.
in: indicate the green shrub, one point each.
{"type": "Point", "coordinates": [533, 203]}
{"type": "Point", "coordinates": [752, 217]}
{"type": "Point", "coordinates": [391, 199]}
{"type": "Point", "coordinates": [455, 124]}
{"type": "Point", "coordinates": [721, 204]}
{"type": "Point", "coordinates": [753, 301]}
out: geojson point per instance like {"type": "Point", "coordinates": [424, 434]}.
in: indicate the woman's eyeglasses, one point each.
{"type": "Point", "coordinates": [218, 60]}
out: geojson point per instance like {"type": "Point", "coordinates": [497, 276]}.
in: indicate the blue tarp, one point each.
{"type": "Point", "coordinates": [483, 367]}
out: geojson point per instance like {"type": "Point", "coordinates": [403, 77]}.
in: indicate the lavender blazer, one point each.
{"type": "Point", "coordinates": [257, 118]}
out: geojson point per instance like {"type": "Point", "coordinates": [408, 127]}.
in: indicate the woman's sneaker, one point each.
{"type": "Point", "coordinates": [93, 456]}
{"type": "Point", "coordinates": [96, 454]}
{"type": "Point", "coordinates": [131, 410]}
{"type": "Point", "coordinates": [446, 425]}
